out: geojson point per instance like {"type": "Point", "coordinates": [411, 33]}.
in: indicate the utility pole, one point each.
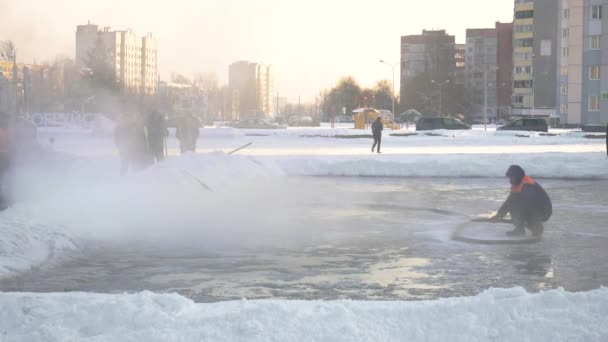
{"type": "Point", "coordinates": [393, 90]}
{"type": "Point", "coordinates": [485, 100]}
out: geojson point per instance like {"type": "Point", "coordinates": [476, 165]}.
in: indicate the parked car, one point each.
{"type": "Point", "coordinates": [536, 125]}
{"type": "Point", "coordinates": [257, 123]}
{"type": "Point", "coordinates": [593, 128]}
{"type": "Point", "coordinates": [343, 119]}
{"type": "Point", "coordinates": [426, 124]}
{"type": "Point", "coordinates": [302, 121]}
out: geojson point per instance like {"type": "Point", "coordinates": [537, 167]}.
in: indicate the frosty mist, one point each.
{"type": "Point", "coordinates": [211, 199]}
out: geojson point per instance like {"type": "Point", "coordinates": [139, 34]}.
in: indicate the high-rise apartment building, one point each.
{"type": "Point", "coordinates": [534, 57]}
{"type": "Point", "coordinates": [481, 71]}
{"type": "Point", "coordinates": [252, 84]}
{"type": "Point", "coordinates": [582, 91]}
{"type": "Point", "coordinates": [431, 52]}
{"type": "Point", "coordinates": [133, 59]}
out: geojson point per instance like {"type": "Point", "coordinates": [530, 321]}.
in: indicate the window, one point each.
{"type": "Point", "coordinates": [526, 42]}
{"type": "Point", "coordinates": [564, 108]}
{"type": "Point", "coordinates": [524, 28]}
{"type": "Point", "coordinates": [524, 14]}
{"type": "Point", "coordinates": [594, 103]}
{"type": "Point", "coordinates": [596, 12]}
{"type": "Point", "coordinates": [594, 43]}
{"type": "Point", "coordinates": [565, 52]}
{"type": "Point", "coordinates": [564, 71]}
{"type": "Point", "coordinates": [522, 84]}
{"type": "Point", "coordinates": [565, 32]}
{"type": "Point", "coordinates": [594, 72]}
{"type": "Point", "coordinates": [564, 89]}
{"type": "Point", "coordinates": [566, 13]}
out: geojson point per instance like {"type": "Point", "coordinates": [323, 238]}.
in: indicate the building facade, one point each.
{"type": "Point", "coordinates": [252, 87]}
{"type": "Point", "coordinates": [582, 92]}
{"type": "Point", "coordinates": [481, 72]}
{"type": "Point", "coordinates": [133, 59]}
{"type": "Point", "coordinates": [535, 58]}
{"type": "Point", "coordinates": [431, 52]}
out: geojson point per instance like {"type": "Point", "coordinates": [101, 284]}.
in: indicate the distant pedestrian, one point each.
{"type": "Point", "coordinates": [4, 157]}
{"type": "Point", "coordinates": [187, 133]}
{"type": "Point", "coordinates": [123, 138]}
{"type": "Point", "coordinates": [377, 128]}
{"type": "Point", "coordinates": [156, 127]}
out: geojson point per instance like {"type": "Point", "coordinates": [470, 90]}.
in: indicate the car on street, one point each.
{"type": "Point", "coordinates": [257, 123]}
{"type": "Point", "coordinates": [427, 124]}
{"type": "Point", "coordinates": [525, 124]}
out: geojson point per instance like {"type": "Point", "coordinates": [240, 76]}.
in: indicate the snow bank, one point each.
{"type": "Point", "coordinates": [539, 165]}
{"type": "Point", "coordinates": [25, 242]}
{"type": "Point", "coordinates": [494, 315]}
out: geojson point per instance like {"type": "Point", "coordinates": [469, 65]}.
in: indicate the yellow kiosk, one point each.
{"type": "Point", "coordinates": [364, 117]}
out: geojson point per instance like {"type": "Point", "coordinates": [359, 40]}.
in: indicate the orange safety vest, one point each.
{"type": "Point", "coordinates": [520, 187]}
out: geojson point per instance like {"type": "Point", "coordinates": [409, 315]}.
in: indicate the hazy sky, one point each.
{"type": "Point", "coordinates": [311, 43]}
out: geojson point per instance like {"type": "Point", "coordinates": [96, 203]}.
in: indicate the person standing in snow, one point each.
{"type": "Point", "coordinates": [377, 128]}
{"type": "Point", "coordinates": [4, 157]}
{"type": "Point", "coordinates": [528, 203]}
{"type": "Point", "coordinates": [187, 133]}
{"type": "Point", "coordinates": [123, 138]}
{"type": "Point", "coordinates": [157, 132]}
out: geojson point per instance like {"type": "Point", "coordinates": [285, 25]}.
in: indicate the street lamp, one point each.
{"type": "Point", "coordinates": [485, 96]}
{"type": "Point", "coordinates": [393, 91]}
{"type": "Point", "coordinates": [440, 84]}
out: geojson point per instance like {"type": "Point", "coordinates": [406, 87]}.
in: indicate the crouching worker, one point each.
{"type": "Point", "coordinates": [528, 204]}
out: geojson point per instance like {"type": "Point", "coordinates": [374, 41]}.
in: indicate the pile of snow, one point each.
{"type": "Point", "coordinates": [25, 243]}
{"type": "Point", "coordinates": [539, 165]}
{"type": "Point", "coordinates": [494, 315]}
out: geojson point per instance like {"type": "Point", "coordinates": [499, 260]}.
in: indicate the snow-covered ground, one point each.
{"type": "Point", "coordinates": [495, 315]}
{"type": "Point", "coordinates": [78, 195]}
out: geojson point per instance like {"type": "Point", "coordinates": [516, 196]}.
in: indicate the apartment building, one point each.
{"type": "Point", "coordinates": [132, 58]}
{"type": "Point", "coordinates": [432, 51]}
{"type": "Point", "coordinates": [252, 87]}
{"type": "Point", "coordinates": [582, 92]}
{"type": "Point", "coordinates": [535, 43]}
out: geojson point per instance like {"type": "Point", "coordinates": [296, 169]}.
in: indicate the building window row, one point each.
{"type": "Point", "coordinates": [524, 28]}
{"type": "Point", "coordinates": [523, 70]}
{"type": "Point", "coordinates": [523, 84]}
{"type": "Point", "coordinates": [524, 14]}
{"type": "Point", "coordinates": [525, 42]}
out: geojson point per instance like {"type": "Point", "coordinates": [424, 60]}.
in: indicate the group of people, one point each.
{"type": "Point", "coordinates": [141, 140]}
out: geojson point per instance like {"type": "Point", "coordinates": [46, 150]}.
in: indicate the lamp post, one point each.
{"type": "Point", "coordinates": [393, 91]}
{"type": "Point", "coordinates": [485, 96]}
{"type": "Point", "coordinates": [440, 84]}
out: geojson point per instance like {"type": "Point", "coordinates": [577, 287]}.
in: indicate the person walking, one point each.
{"type": "Point", "coordinates": [187, 133]}
{"type": "Point", "coordinates": [377, 128]}
{"type": "Point", "coordinates": [528, 203]}
{"type": "Point", "coordinates": [157, 132]}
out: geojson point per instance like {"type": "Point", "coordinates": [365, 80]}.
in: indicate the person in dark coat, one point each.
{"type": "Point", "coordinates": [377, 128]}
{"type": "Point", "coordinates": [4, 157]}
{"type": "Point", "coordinates": [156, 126]}
{"type": "Point", "coordinates": [187, 133]}
{"type": "Point", "coordinates": [528, 203]}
